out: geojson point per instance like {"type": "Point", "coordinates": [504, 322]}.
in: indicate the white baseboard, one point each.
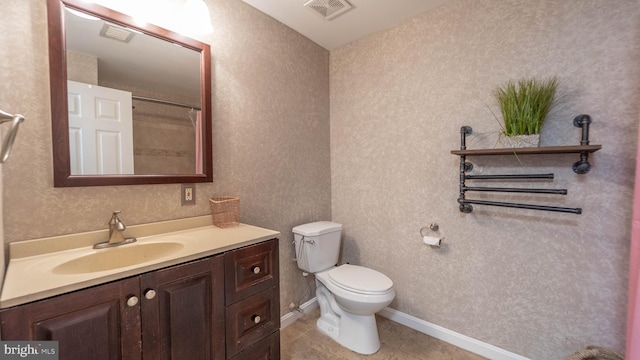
{"type": "Point", "coordinates": [289, 318]}
{"type": "Point", "coordinates": [462, 341]}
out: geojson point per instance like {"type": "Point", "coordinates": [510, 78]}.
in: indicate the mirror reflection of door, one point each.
{"type": "Point", "coordinates": [100, 130]}
{"type": "Point", "coordinates": [163, 80]}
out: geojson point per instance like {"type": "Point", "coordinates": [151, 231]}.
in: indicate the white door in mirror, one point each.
{"type": "Point", "coordinates": [100, 130]}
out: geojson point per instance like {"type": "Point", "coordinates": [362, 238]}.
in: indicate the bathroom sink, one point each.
{"type": "Point", "coordinates": [117, 257]}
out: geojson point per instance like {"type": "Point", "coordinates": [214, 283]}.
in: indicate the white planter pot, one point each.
{"type": "Point", "coordinates": [519, 141]}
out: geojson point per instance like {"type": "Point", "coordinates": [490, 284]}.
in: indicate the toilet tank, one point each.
{"type": "Point", "coordinates": [317, 245]}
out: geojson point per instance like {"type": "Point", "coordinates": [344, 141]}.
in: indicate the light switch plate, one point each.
{"type": "Point", "coordinates": [188, 194]}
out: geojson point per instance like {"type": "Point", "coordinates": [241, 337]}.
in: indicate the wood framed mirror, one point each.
{"type": "Point", "coordinates": [119, 118]}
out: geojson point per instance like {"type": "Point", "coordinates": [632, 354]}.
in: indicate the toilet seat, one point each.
{"type": "Point", "coordinates": [360, 280]}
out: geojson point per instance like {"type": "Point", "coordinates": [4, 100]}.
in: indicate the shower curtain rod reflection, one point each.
{"type": "Point", "coordinates": [165, 102]}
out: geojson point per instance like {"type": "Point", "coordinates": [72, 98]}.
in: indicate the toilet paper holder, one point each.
{"type": "Point", "coordinates": [434, 241]}
{"type": "Point", "coordinates": [433, 227]}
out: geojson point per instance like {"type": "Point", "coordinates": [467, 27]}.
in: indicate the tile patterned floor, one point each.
{"type": "Point", "coordinates": [302, 341]}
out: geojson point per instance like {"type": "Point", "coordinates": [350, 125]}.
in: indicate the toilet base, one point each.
{"type": "Point", "coordinates": [358, 333]}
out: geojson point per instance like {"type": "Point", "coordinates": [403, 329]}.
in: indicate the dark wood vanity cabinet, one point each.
{"type": "Point", "coordinates": [183, 311]}
{"type": "Point", "coordinates": [188, 311]}
{"type": "Point", "coordinates": [93, 324]}
{"type": "Point", "coordinates": [253, 302]}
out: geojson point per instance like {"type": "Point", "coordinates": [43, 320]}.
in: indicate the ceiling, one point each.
{"type": "Point", "coordinates": [129, 63]}
{"type": "Point", "coordinates": [364, 18]}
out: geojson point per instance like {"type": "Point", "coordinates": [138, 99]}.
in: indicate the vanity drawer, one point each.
{"type": "Point", "coordinates": [252, 319]}
{"type": "Point", "coordinates": [266, 349]}
{"type": "Point", "coordinates": [250, 269]}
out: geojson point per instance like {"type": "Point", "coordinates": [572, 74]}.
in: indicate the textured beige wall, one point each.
{"type": "Point", "coordinates": [539, 284]}
{"type": "Point", "coordinates": [270, 134]}
{"type": "Point", "coordinates": [82, 67]}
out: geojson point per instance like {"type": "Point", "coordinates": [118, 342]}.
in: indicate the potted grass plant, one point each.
{"type": "Point", "coordinates": [524, 106]}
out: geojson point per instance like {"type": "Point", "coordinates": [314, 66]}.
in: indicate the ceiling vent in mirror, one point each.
{"type": "Point", "coordinates": [328, 9]}
{"type": "Point", "coordinates": [116, 33]}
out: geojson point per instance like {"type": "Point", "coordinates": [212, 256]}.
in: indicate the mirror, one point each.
{"type": "Point", "coordinates": [130, 102]}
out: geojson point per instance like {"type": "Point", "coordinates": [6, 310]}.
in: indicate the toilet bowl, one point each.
{"type": "Point", "coordinates": [347, 310]}
{"type": "Point", "coordinates": [348, 295]}
{"type": "Point", "coordinates": [357, 289]}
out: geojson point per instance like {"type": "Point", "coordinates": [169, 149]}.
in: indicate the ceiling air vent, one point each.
{"type": "Point", "coordinates": [328, 9]}
{"type": "Point", "coordinates": [116, 33]}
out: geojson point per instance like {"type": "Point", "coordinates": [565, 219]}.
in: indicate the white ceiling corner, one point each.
{"type": "Point", "coordinates": [366, 17]}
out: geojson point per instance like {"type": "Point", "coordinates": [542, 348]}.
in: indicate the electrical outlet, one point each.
{"type": "Point", "coordinates": [188, 194]}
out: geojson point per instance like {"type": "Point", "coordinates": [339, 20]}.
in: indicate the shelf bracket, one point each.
{"type": "Point", "coordinates": [582, 166]}
{"type": "Point", "coordinates": [464, 168]}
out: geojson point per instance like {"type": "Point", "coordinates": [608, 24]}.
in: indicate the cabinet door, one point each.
{"type": "Point", "coordinates": [252, 319]}
{"type": "Point", "coordinates": [265, 349]}
{"type": "Point", "coordinates": [183, 311]}
{"type": "Point", "coordinates": [251, 269]}
{"type": "Point", "coordinates": [95, 323]}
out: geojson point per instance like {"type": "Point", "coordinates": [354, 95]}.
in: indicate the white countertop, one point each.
{"type": "Point", "coordinates": [30, 274]}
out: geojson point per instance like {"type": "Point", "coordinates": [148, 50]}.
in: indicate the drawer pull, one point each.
{"type": "Point", "coordinates": [132, 301]}
{"type": "Point", "coordinates": [256, 319]}
{"type": "Point", "coordinates": [150, 294]}
{"type": "Point", "coordinates": [256, 269]}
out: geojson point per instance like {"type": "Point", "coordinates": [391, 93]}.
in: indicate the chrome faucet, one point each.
{"type": "Point", "coordinates": [116, 233]}
{"type": "Point", "coordinates": [116, 229]}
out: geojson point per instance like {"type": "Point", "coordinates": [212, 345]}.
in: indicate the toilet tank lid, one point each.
{"type": "Point", "coordinates": [317, 228]}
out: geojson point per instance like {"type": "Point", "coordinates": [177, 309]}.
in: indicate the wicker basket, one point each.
{"type": "Point", "coordinates": [595, 353]}
{"type": "Point", "coordinates": [225, 211]}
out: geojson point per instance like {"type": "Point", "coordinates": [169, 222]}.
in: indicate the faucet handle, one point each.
{"type": "Point", "coordinates": [114, 215]}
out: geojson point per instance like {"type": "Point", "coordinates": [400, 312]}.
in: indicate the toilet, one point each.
{"type": "Point", "coordinates": [348, 295]}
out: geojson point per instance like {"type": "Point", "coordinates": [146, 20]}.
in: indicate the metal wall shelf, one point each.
{"type": "Point", "coordinates": [580, 167]}
{"type": "Point", "coordinates": [577, 149]}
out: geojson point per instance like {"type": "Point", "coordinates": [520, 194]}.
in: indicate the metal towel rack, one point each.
{"type": "Point", "coordinates": [580, 167]}
{"type": "Point", "coordinates": [7, 144]}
